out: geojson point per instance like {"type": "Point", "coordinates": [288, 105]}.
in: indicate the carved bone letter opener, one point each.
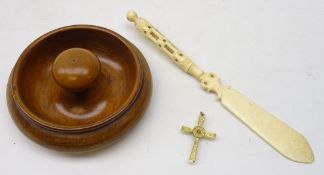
{"type": "Point", "coordinates": [279, 135]}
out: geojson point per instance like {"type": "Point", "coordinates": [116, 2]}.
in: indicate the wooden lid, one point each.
{"type": "Point", "coordinates": [78, 79]}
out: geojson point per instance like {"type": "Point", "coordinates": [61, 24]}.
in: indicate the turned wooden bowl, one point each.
{"type": "Point", "coordinates": [78, 88]}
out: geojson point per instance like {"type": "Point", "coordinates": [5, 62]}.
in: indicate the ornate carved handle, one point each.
{"type": "Point", "coordinates": [209, 81]}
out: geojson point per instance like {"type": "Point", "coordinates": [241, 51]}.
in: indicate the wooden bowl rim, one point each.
{"type": "Point", "coordinates": [55, 127]}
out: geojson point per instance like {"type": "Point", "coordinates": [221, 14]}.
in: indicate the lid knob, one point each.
{"type": "Point", "coordinates": [76, 69]}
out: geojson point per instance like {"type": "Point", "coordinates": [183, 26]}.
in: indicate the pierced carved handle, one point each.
{"type": "Point", "coordinates": [209, 81]}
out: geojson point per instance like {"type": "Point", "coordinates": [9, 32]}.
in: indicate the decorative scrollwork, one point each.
{"type": "Point", "coordinates": [211, 83]}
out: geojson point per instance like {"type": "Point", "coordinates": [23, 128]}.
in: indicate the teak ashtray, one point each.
{"type": "Point", "coordinates": [78, 88]}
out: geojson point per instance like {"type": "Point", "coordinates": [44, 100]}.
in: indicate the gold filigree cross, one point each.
{"type": "Point", "coordinates": [199, 132]}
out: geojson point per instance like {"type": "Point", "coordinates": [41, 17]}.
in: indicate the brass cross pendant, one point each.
{"type": "Point", "coordinates": [198, 132]}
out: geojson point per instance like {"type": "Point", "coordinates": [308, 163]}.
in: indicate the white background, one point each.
{"type": "Point", "coordinates": [270, 50]}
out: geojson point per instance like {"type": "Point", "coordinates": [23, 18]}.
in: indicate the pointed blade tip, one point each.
{"type": "Point", "coordinates": [306, 156]}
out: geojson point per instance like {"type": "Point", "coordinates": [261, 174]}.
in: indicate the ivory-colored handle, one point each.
{"type": "Point", "coordinates": [209, 81]}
